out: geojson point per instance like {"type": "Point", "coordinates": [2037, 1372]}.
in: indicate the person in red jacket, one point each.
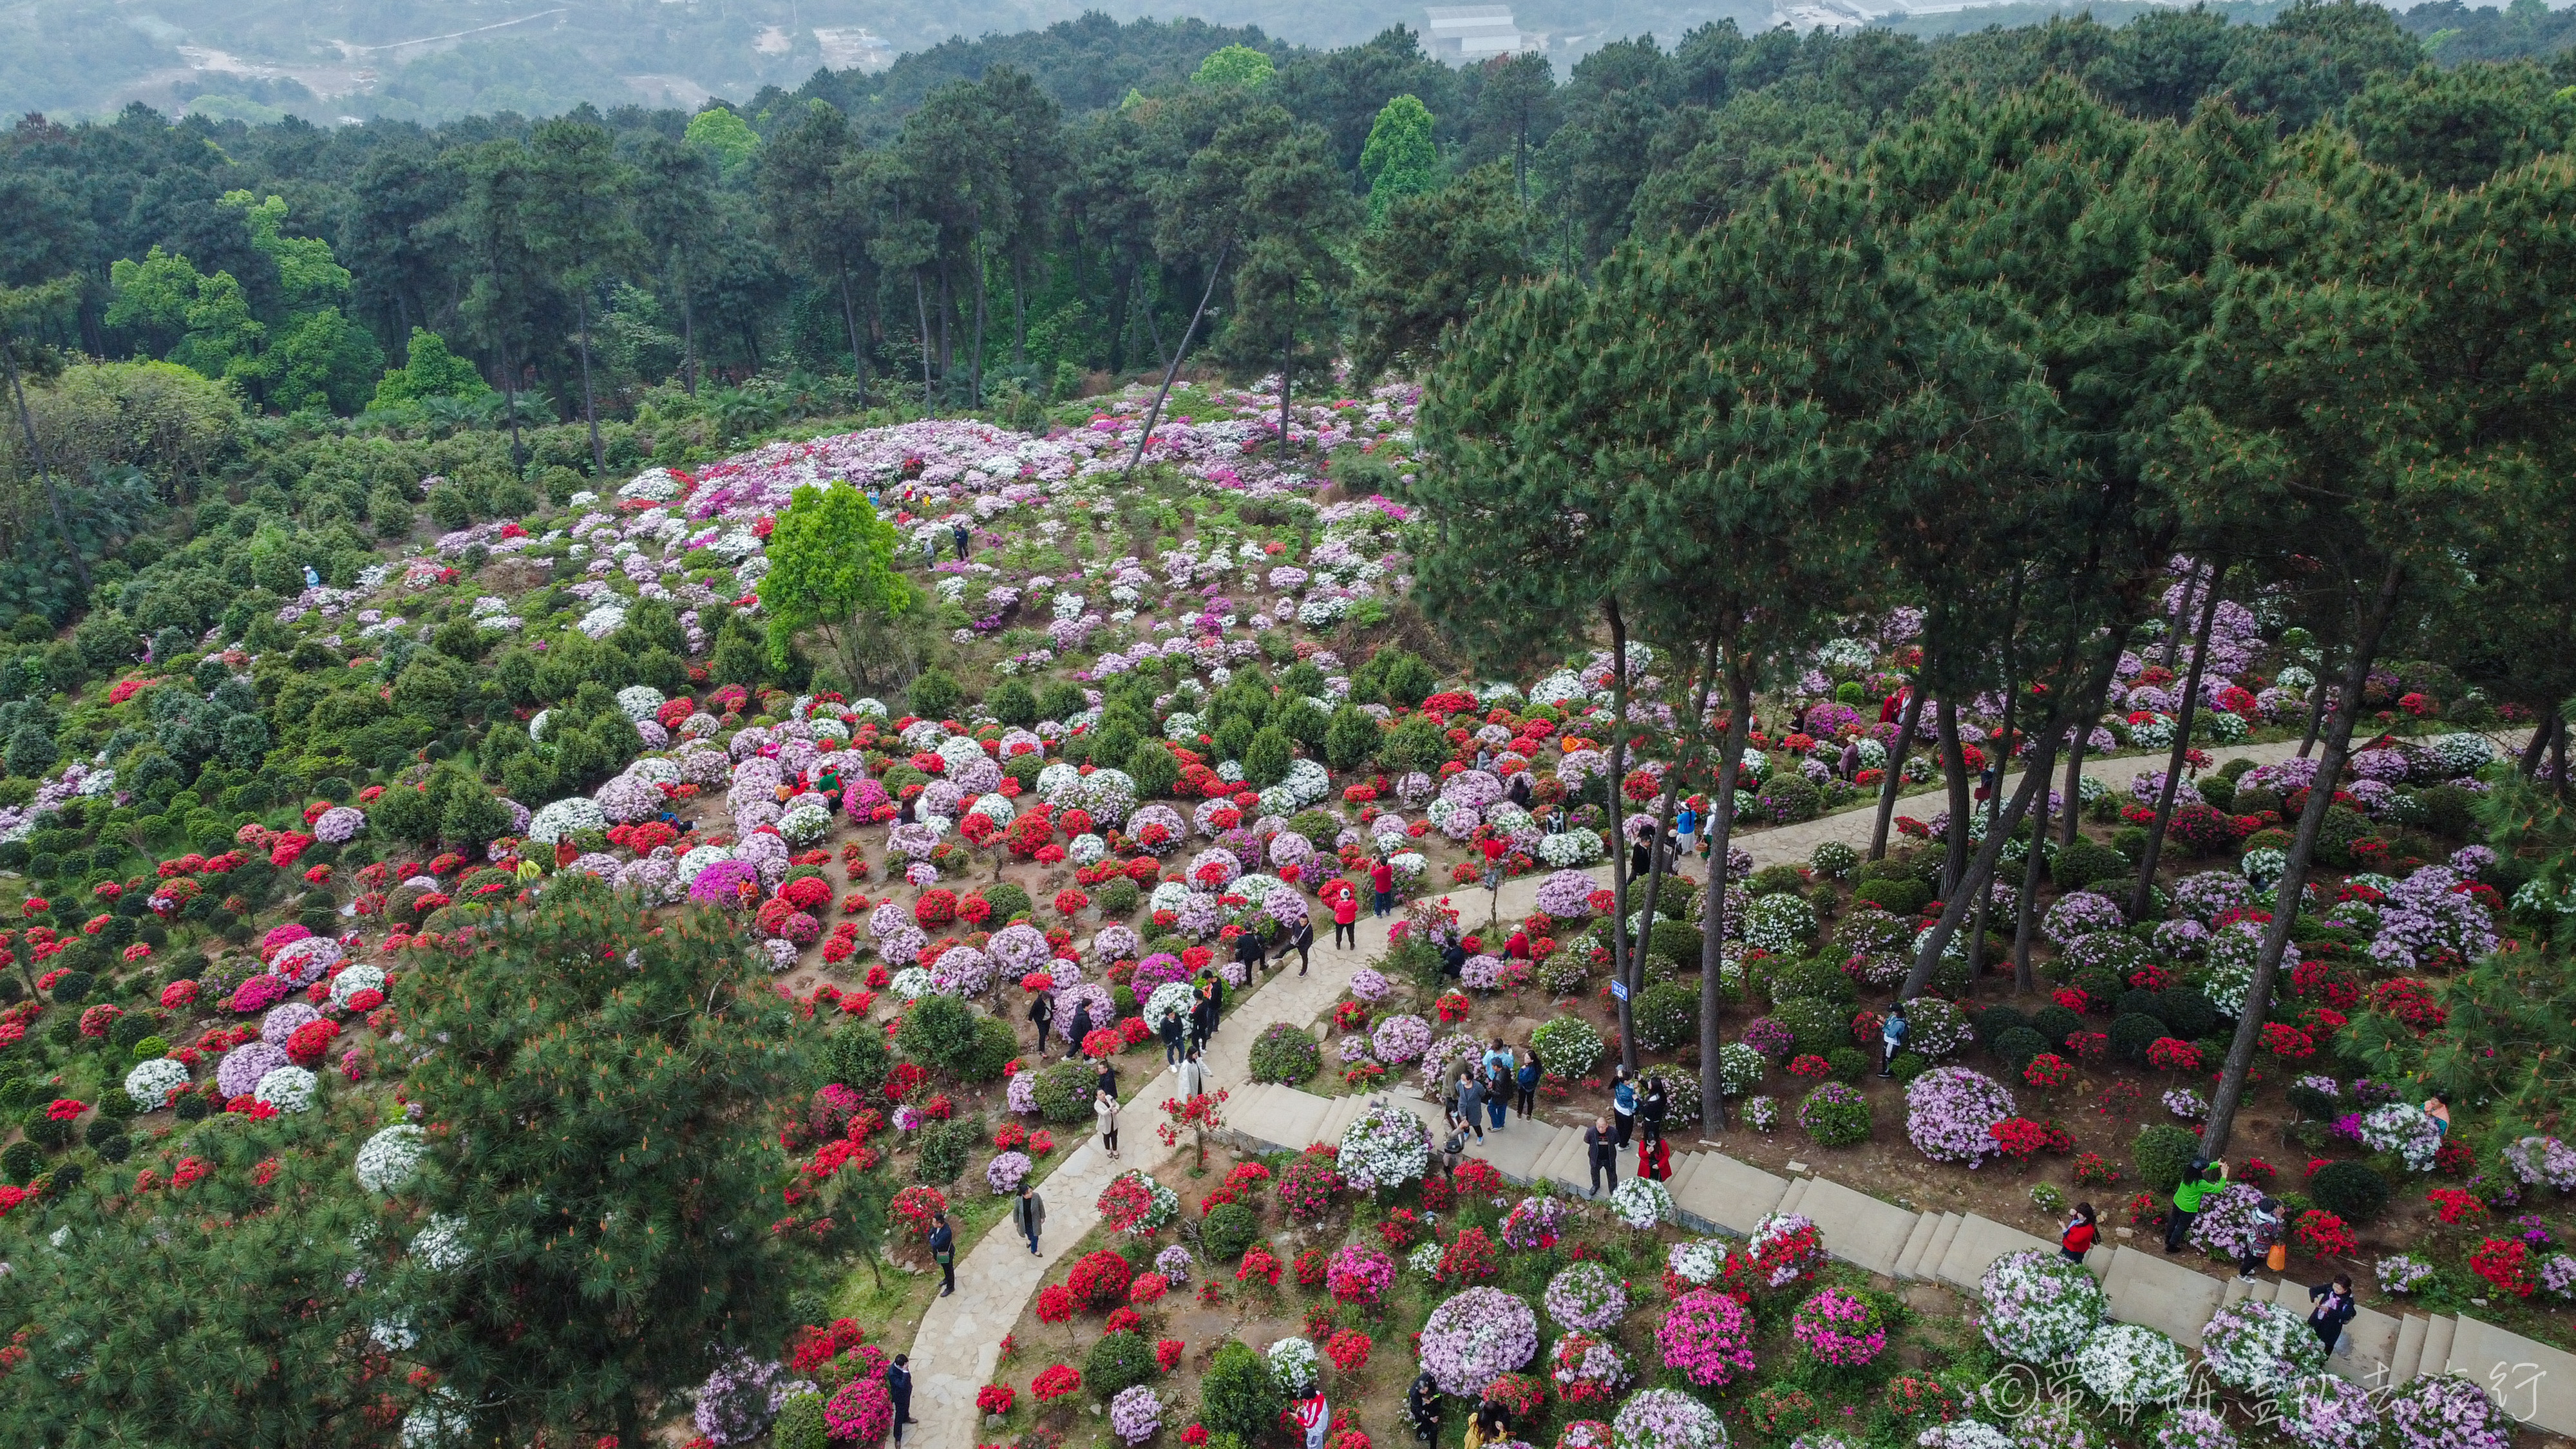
{"type": "Point", "coordinates": [2081, 1234]}
{"type": "Point", "coordinates": [1382, 881]}
{"type": "Point", "coordinates": [1346, 915]}
{"type": "Point", "coordinates": [1518, 947]}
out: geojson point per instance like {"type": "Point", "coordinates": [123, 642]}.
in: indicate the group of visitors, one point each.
{"type": "Point", "coordinates": [1491, 1424]}
{"type": "Point", "coordinates": [1479, 1091]}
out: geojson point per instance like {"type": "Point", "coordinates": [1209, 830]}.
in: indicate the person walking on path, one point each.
{"type": "Point", "coordinates": [1193, 1075]}
{"type": "Point", "coordinates": [1891, 1038]}
{"type": "Point", "coordinates": [1249, 954]}
{"type": "Point", "coordinates": [1498, 1092]}
{"type": "Point", "coordinates": [1382, 882]}
{"type": "Point", "coordinates": [1081, 1027]}
{"type": "Point", "coordinates": [1175, 1034]}
{"type": "Point", "coordinates": [958, 532]}
{"type": "Point", "coordinates": [1623, 1105]}
{"type": "Point", "coordinates": [1453, 1148]}
{"type": "Point", "coordinates": [1203, 1013]}
{"type": "Point", "coordinates": [1346, 916]}
{"type": "Point", "coordinates": [1526, 1085]}
{"type": "Point", "coordinates": [1471, 1099]}
{"type": "Point", "coordinates": [943, 1251]}
{"type": "Point", "coordinates": [1301, 937]}
{"type": "Point", "coordinates": [1602, 1150]}
{"type": "Point", "coordinates": [1042, 1016]}
{"type": "Point", "coordinates": [2198, 1181]}
{"type": "Point", "coordinates": [2080, 1234]}
{"type": "Point", "coordinates": [898, 1382]}
{"type": "Point", "coordinates": [2334, 1308]}
{"type": "Point", "coordinates": [1028, 1214]}
{"type": "Point", "coordinates": [1105, 1108]}
{"type": "Point", "coordinates": [1651, 1109]}
{"type": "Point", "coordinates": [1686, 827]}
{"type": "Point", "coordinates": [930, 550]}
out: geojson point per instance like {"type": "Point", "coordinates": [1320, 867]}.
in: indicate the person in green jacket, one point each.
{"type": "Point", "coordinates": [2198, 1181]}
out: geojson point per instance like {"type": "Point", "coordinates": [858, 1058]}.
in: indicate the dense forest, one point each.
{"type": "Point", "coordinates": [985, 225]}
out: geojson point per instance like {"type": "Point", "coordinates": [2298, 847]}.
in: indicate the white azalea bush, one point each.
{"type": "Point", "coordinates": [2131, 1368]}
{"type": "Point", "coordinates": [1385, 1146]}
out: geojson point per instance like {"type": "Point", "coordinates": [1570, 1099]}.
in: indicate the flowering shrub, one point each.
{"type": "Point", "coordinates": [1835, 1115]}
{"type": "Point", "coordinates": [1641, 1203]}
{"type": "Point", "coordinates": [1708, 1336]}
{"type": "Point", "coordinates": [2226, 1222]}
{"type": "Point", "coordinates": [1307, 1185]}
{"type": "Point", "coordinates": [2505, 1263]}
{"type": "Point", "coordinates": [1783, 1250]}
{"type": "Point", "coordinates": [1359, 1272]}
{"type": "Point", "coordinates": [863, 1411]}
{"type": "Point", "coordinates": [1054, 1382]}
{"type": "Point", "coordinates": [1136, 1414]}
{"type": "Point", "coordinates": [1586, 1370]}
{"type": "Point", "coordinates": [2324, 1235]}
{"type": "Point", "coordinates": [2194, 1428]}
{"type": "Point", "coordinates": [1533, 1224]}
{"type": "Point", "coordinates": [1949, 1112]}
{"type": "Point", "coordinates": [2405, 1130]}
{"type": "Point", "coordinates": [2131, 1368]}
{"type": "Point", "coordinates": [1475, 1337]}
{"type": "Point", "coordinates": [2258, 1348]}
{"type": "Point", "coordinates": [1384, 1147]}
{"type": "Point", "coordinates": [1292, 1363]}
{"type": "Point", "coordinates": [1588, 1296]}
{"type": "Point", "coordinates": [1665, 1419]}
{"type": "Point", "coordinates": [1840, 1329]}
{"type": "Point", "coordinates": [1469, 1258]}
{"type": "Point", "coordinates": [1348, 1350]}
{"type": "Point", "coordinates": [2322, 1411]}
{"type": "Point", "coordinates": [2446, 1411]}
{"type": "Point", "coordinates": [1100, 1280]}
{"type": "Point", "coordinates": [2040, 1308]}
{"type": "Point", "coordinates": [1136, 1204]}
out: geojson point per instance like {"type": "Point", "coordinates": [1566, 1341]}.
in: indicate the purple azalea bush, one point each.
{"type": "Point", "coordinates": [2446, 1411]}
{"type": "Point", "coordinates": [1476, 1337]}
{"type": "Point", "coordinates": [1948, 1111]}
{"type": "Point", "coordinates": [1586, 1297]}
{"type": "Point", "coordinates": [2322, 1411]}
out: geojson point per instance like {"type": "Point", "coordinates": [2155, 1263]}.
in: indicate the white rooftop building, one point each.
{"type": "Point", "coordinates": [1475, 32]}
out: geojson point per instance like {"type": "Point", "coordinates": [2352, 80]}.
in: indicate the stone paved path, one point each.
{"type": "Point", "coordinates": [957, 1346]}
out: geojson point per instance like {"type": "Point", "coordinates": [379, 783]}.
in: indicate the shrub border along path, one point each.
{"type": "Point", "coordinates": [957, 1347]}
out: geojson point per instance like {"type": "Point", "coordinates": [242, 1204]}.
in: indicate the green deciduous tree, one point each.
{"type": "Point", "coordinates": [1399, 159]}
{"type": "Point", "coordinates": [831, 567]}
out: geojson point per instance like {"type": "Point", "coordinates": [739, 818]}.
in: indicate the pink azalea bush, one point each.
{"type": "Point", "coordinates": [1707, 1336]}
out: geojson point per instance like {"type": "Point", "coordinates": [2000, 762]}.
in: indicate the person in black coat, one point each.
{"type": "Point", "coordinates": [1301, 938]}
{"type": "Point", "coordinates": [1651, 1109]}
{"type": "Point", "coordinates": [898, 1382]}
{"type": "Point", "coordinates": [1422, 1406]}
{"type": "Point", "coordinates": [2334, 1308]}
{"type": "Point", "coordinates": [1042, 1016]}
{"type": "Point", "coordinates": [1249, 954]}
{"type": "Point", "coordinates": [943, 1251]}
{"type": "Point", "coordinates": [1453, 959]}
{"type": "Point", "coordinates": [1601, 1145]}
{"type": "Point", "coordinates": [1081, 1027]}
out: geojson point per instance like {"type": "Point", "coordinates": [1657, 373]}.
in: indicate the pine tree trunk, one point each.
{"type": "Point", "coordinates": [2025, 911]}
{"type": "Point", "coordinates": [1908, 719]}
{"type": "Point", "coordinates": [1622, 957]}
{"type": "Point", "coordinates": [983, 289]}
{"type": "Point", "coordinates": [2294, 871]}
{"type": "Point", "coordinates": [2172, 787]}
{"type": "Point", "coordinates": [921, 313]}
{"type": "Point", "coordinates": [1981, 868]}
{"type": "Point", "coordinates": [1712, 914]}
{"type": "Point", "coordinates": [1287, 352]}
{"type": "Point", "coordinates": [2538, 745]}
{"type": "Point", "coordinates": [1020, 306]}
{"type": "Point", "coordinates": [589, 406]}
{"type": "Point", "coordinates": [510, 399]}
{"type": "Point", "coordinates": [1155, 412]}
{"type": "Point", "coordinates": [2316, 717]}
{"type": "Point", "coordinates": [2074, 801]}
{"type": "Point", "coordinates": [1954, 773]}
{"type": "Point", "coordinates": [44, 471]}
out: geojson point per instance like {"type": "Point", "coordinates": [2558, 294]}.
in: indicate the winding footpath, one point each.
{"type": "Point", "coordinates": [957, 1347]}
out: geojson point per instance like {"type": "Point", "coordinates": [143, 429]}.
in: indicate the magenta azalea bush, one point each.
{"type": "Point", "coordinates": [1708, 1337]}
{"type": "Point", "coordinates": [1841, 1329]}
{"type": "Point", "coordinates": [1947, 1112]}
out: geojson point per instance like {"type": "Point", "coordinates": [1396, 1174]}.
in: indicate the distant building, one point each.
{"type": "Point", "coordinates": [853, 47]}
{"type": "Point", "coordinates": [1466, 33]}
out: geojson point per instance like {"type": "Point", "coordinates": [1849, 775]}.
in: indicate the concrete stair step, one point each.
{"type": "Point", "coordinates": [1909, 1259]}
{"type": "Point", "coordinates": [1685, 1168]}
{"type": "Point", "coordinates": [2237, 1291]}
{"type": "Point", "coordinates": [1797, 1192]}
{"type": "Point", "coordinates": [1560, 1161]}
{"type": "Point", "coordinates": [1338, 1114]}
{"type": "Point", "coordinates": [1288, 1121]}
{"type": "Point", "coordinates": [1516, 1151]}
{"type": "Point", "coordinates": [1944, 1233]}
{"type": "Point", "coordinates": [1727, 1195]}
{"type": "Point", "coordinates": [1857, 1228]}
{"type": "Point", "coordinates": [2437, 1345]}
{"type": "Point", "coordinates": [2411, 1332]}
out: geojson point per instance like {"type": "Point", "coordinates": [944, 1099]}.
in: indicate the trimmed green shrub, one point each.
{"type": "Point", "coordinates": [1676, 941]}
{"type": "Point", "coordinates": [1850, 1064]}
{"type": "Point", "coordinates": [2055, 1024]}
{"type": "Point", "coordinates": [1227, 1230]}
{"type": "Point", "coordinates": [1907, 1066]}
{"type": "Point", "coordinates": [1239, 1395]}
{"type": "Point", "coordinates": [2085, 862]}
{"type": "Point", "coordinates": [1007, 900]}
{"type": "Point", "coordinates": [2352, 1189]}
{"type": "Point", "coordinates": [943, 1148]}
{"type": "Point", "coordinates": [2015, 1048]}
{"type": "Point", "coordinates": [2132, 1035]}
{"type": "Point", "coordinates": [1816, 1026]}
{"type": "Point", "coordinates": [1896, 897]}
{"type": "Point", "coordinates": [1994, 1021]}
{"type": "Point", "coordinates": [1064, 1090]}
{"type": "Point", "coordinates": [21, 1161]}
{"type": "Point", "coordinates": [1815, 976]}
{"type": "Point", "coordinates": [2187, 1011]}
{"type": "Point", "coordinates": [1117, 898]}
{"type": "Point", "coordinates": [800, 1424]}
{"type": "Point", "coordinates": [1666, 1016]}
{"type": "Point", "coordinates": [1285, 1054]}
{"type": "Point", "coordinates": [1772, 879]}
{"type": "Point", "coordinates": [856, 1057]}
{"type": "Point", "coordinates": [2162, 1153]}
{"type": "Point", "coordinates": [1835, 1115]}
{"type": "Point", "coordinates": [1118, 1362]}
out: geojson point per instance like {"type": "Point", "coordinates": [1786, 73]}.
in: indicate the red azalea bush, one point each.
{"type": "Point", "coordinates": [2048, 1071]}
{"type": "Point", "coordinates": [2020, 1138]}
{"type": "Point", "coordinates": [2324, 1234]}
{"type": "Point", "coordinates": [1100, 1280]}
{"type": "Point", "coordinates": [918, 1207]}
{"type": "Point", "coordinates": [1260, 1267]}
{"type": "Point", "coordinates": [1167, 1353]}
{"type": "Point", "coordinates": [307, 1044]}
{"type": "Point", "coordinates": [1307, 1187]}
{"type": "Point", "coordinates": [1913, 1399]}
{"type": "Point", "coordinates": [2092, 1169]}
{"type": "Point", "coordinates": [1469, 1258]}
{"type": "Point", "coordinates": [2455, 1205]}
{"type": "Point", "coordinates": [1055, 1303]}
{"type": "Point", "coordinates": [1311, 1267]}
{"type": "Point", "coordinates": [2172, 1054]}
{"type": "Point", "coordinates": [996, 1398]}
{"type": "Point", "coordinates": [2506, 1263]}
{"type": "Point", "coordinates": [1348, 1350]}
{"type": "Point", "coordinates": [1055, 1382]}
{"type": "Point", "coordinates": [2089, 1046]}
